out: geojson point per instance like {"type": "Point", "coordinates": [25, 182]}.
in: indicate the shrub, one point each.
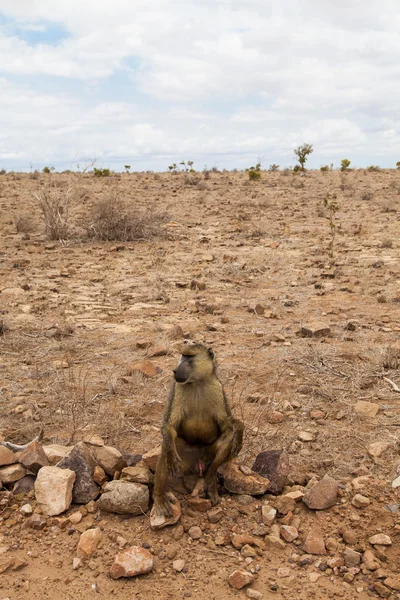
{"type": "Point", "coordinates": [274, 167]}
{"type": "Point", "coordinates": [302, 153]}
{"type": "Point", "coordinates": [344, 164]}
{"type": "Point", "coordinates": [55, 205]}
{"type": "Point", "coordinates": [367, 195]}
{"type": "Point", "coordinates": [3, 171]}
{"type": "Point", "coordinates": [112, 220]}
{"type": "Point", "coordinates": [48, 169]}
{"type": "Point", "coordinates": [397, 164]}
{"type": "Point", "coordinates": [254, 175]}
{"type": "Point", "coordinates": [101, 172]}
{"type": "Point", "coordinates": [373, 168]}
{"type": "Point", "coordinates": [324, 168]}
{"type": "Point", "coordinates": [191, 179]}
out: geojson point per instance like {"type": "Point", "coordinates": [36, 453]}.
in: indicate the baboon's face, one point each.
{"type": "Point", "coordinates": [194, 367]}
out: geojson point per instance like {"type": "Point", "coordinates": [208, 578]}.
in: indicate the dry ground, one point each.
{"type": "Point", "coordinates": [77, 313]}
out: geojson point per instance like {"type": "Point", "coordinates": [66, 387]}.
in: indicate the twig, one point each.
{"type": "Point", "coordinates": [392, 383]}
{"type": "Point", "coordinates": [220, 552]}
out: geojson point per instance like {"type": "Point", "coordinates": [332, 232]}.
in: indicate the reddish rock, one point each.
{"type": "Point", "coordinates": [240, 578]}
{"type": "Point", "coordinates": [132, 562]}
{"type": "Point", "coordinates": [241, 539]}
{"type": "Point", "coordinates": [314, 542]}
{"type": "Point", "coordinates": [12, 473]}
{"type": "Point", "coordinates": [109, 459]}
{"type": "Point", "coordinates": [215, 514]}
{"type": "Point", "coordinates": [151, 458]}
{"type": "Point", "coordinates": [138, 474]}
{"type": "Point", "coordinates": [146, 367]}
{"type": "Point", "coordinates": [7, 457]}
{"type": "Point", "coordinates": [200, 504]}
{"type": "Point", "coordinates": [33, 457]}
{"type": "Point", "coordinates": [285, 504]}
{"type": "Point", "coordinates": [322, 495]}
{"type": "Point", "coordinates": [238, 483]}
{"type": "Point", "coordinates": [88, 542]}
{"type": "Point", "coordinates": [274, 465]}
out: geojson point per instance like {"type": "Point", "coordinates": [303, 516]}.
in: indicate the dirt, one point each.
{"type": "Point", "coordinates": [77, 315]}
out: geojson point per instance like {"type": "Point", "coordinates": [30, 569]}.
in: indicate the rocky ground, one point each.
{"type": "Point", "coordinates": [306, 333]}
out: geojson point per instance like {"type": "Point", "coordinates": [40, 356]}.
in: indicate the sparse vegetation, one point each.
{"type": "Point", "coordinates": [273, 167]}
{"type": "Point", "coordinates": [398, 164]}
{"type": "Point", "coordinates": [345, 164]}
{"type": "Point", "coordinates": [55, 205]}
{"type": "Point", "coordinates": [331, 207]}
{"type": "Point", "coordinates": [367, 195]}
{"type": "Point", "coordinates": [48, 169]}
{"type": "Point", "coordinates": [324, 168]}
{"type": "Point", "coordinates": [101, 172]}
{"type": "Point", "coordinates": [127, 168]}
{"type": "Point", "coordinates": [373, 168]}
{"type": "Point", "coordinates": [302, 153]}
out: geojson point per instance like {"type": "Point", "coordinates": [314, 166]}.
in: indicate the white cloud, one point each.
{"type": "Point", "coordinates": [213, 78]}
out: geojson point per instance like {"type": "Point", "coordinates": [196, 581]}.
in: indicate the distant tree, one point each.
{"type": "Point", "coordinates": [127, 168]}
{"type": "Point", "coordinates": [344, 164]}
{"type": "Point", "coordinates": [302, 153]}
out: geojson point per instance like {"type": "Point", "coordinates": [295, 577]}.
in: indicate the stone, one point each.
{"type": "Point", "coordinates": [94, 440]}
{"type": "Point", "coordinates": [145, 367]}
{"type": "Point", "coordinates": [151, 458]}
{"type": "Point", "coordinates": [109, 459]}
{"type": "Point", "coordinates": [195, 532]}
{"type": "Point", "coordinates": [366, 409]}
{"type": "Point", "coordinates": [381, 590]}
{"type": "Point", "coordinates": [273, 542]}
{"type": "Point", "coordinates": [349, 536]}
{"type": "Point", "coordinates": [178, 565]}
{"type": "Point", "coordinates": [396, 482]}
{"type": "Point", "coordinates": [393, 583]}
{"type": "Point", "coordinates": [241, 539]}
{"type": "Point", "coordinates": [274, 465]}
{"type": "Point", "coordinates": [215, 514]}
{"type": "Point", "coordinates": [12, 473]}
{"type": "Point", "coordinates": [237, 482]}
{"type": "Point", "coordinates": [351, 557]}
{"type": "Point", "coordinates": [296, 495]}
{"type": "Point", "coordinates": [322, 495]}
{"type": "Point", "coordinates": [315, 330]}
{"type": "Point", "coordinates": [123, 497]}
{"type": "Point", "coordinates": [24, 485]}
{"type": "Point", "coordinates": [306, 436]}
{"type": "Point", "coordinates": [248, 552]}
{"type": "Point", "coordinates": [380, 539]}
{"type": "Point", "coordinates": [275, 417]}
{"type": "Point", "coordinates": [75, 518]}
{"type": "Point", "coordinates": [268, 514]}
{"type": "Point", "coordinates": [132, 562]}
{"type": "Point", "coordinates": [158, 521]}
{"type": "Point", "coordinates": [7, 457]}
{"type": "Point", "coordinates": [376, 449]}
{"type": "Point", "coordinates": [76, 563]}
{"type": "Point", "coordinates": [26, 510]}
{"type": "Point", "coordinates": [99, 475]}
{"type": "Point", "coordinates": [53, 489]}
{"type": "Point", "coordinates": [314, 542]}
{"type": "Point", "coordinates": [200, 504]}
{"type": "Point", "coordinates": [36, 521]}
{"type": "Point", "coordinates": [360, 501]}
{"type": "Point", "coordinates": [285, 505]}
{"type": "Point", "coordinates": [138, 474]}
{"type": "Point", "coordinates": [56, 452]}
{"type": "Point", "coordinates": [289, 533]}
{"type": "Point", "coordinates": [81, 461]}
{"type": "Point", "coordinates": [283, 572]}
{"type": "Point", "coordinates": [370, 561]}
{"type": "Point", "coordinates": [254, 594]}
{"type": "Point", "coordinates": [175, 333]}
{"type": "Point", "coordinates": [158, 350]}
{"type": "Point", "coordinates": [88, 542]}
{"type": "Point", "coordinates": [240, 578]}
{"type": "Point", "coordinates": [33, 457]}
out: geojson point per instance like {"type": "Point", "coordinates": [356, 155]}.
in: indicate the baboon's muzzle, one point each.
{"type": "Point", "coordinates": [182, 371]}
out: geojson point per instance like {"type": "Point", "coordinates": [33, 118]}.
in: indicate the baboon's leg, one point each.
{"type": "Point", "coordinates": [161, 500]}
{"type": "Point", "coordinates": [227, 446]}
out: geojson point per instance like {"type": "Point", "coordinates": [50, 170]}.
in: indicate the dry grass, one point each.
{"type": "Point", "coordinates": [55, 205]}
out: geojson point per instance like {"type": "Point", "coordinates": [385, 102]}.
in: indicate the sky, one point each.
{"type": "Point", "coordinates": [219, 82]}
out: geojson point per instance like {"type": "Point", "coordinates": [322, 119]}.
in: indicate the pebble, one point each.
{"type": "Point", "coordinates": [314, 542]}
{"type": "Point", "coordinates": [254, 594]}
{"type": "Point", "coordinates": [370, 561]}
{"type": "Point", "coordinates": [268, 514]}
{"type": "Point", "coordinates": [132, 562]}
{"type": "Point", "coordinates": [351, 557]}
{"type": "Point", "coordinates": [26, 509]}
{"type": "Point", "coordinates": [360, 501]}
{"type": "Point", "coordinates": [88, 542]}
{"type": "Point", "coordinates": [195, 532]}
{"type": "Point", "coordinates": [322, 495]}
{"type": "Point", "coordinates": [178, 565]}
{"type": "Point", "coordinates": [215, 514]}
{"type": "Point", "coordinates": [366, 409]}
{"type": "Point", "coordinates": [289, 533]}
{"type": "Point", "coordinates": [76, 563]}
{"type": "Point", "coordinates": [306, 436]}
{"type": "Point", "coordinates": [380, 539]}
{"type": "Point", "coordinates": [240, 578]}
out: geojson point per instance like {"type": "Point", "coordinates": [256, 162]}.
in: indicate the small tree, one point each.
{"type": "Point", "coordinates": [398, 164]}
{"type": "Point", "coordinates": [172, 168]}
{"type": "Point", "coordinates": [302, 153]}
{"type": "Point", "coordinates": [344, 165]}
{"type": "Point", "coordinates": [127, 168]}
{"type": "Point", "coordinates": [274, 167]}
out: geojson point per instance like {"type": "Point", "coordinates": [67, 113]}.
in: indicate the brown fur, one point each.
{"type": "Point", "coordinates": [199, 432]}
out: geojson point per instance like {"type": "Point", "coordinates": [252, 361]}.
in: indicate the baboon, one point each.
{"type": "Point", "coordinates": [198, 430]}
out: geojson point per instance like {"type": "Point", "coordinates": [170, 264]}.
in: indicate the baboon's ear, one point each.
{"type": "Point", "coordinates": [211, 353]}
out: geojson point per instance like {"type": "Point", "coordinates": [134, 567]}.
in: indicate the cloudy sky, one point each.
{"type": "Point", "coordinates": [219, 82]}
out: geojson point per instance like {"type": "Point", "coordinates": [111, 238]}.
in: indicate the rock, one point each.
{"type": "Point", "coordinates": [254, 594]}
{"type": "Point", "coordinates": [381, 590]}
{"type": "Point", "coordinates": [240, 578]}
{"type": "Point", "coordinates": [275, 417]}
{"type": "Point", "coordinates": [36, 521]}
{"type": "Point", "coordinates": [175, 333]}
{"type": "Point", "coordinates": [376, 449]}
{"type": "Point", "coordinates": [56, 452]}
{"type": "Point", "coordinates": [124, 498]}
{"type": "Point", "coordinates": [322, 495]}
{"type": "Point", "coordinates": [151, 458]}
{"type": "Point", "coordinates": [75, 518]}
{"type": "Point", "coordinates": [273, 542]}
{"type": "Point", "coordinates": [241, 539]}
{"type": "Point", "coordinates": [53, 489]}
{"type": "Point", "coordinates": [258, 309]}
{"type": "Point", "coordinates": [131, 459]}
{"type": "Point", "coordinates": [380, 539]}
{"type": "Point", "coordinates": [248, 552]}
{"type": "Point", "coordinates": [317, 414]}
{"type": "Point", "coordinates": [370, 561]}
{"type": "Point", "coordinates": [244, 499]}
{"type": "Point", "coordinates": [145, 367]}
{"type": "Point", "coordinates": [313, 577]}
{"type": "Point", "coordinates": [285, 505]}
{"type": "Point", "coordinates": [33, 457]}
{"type": "Point", "coordinates": [296, 495]}
{"type": "Point", "coordinates": [81, 461]}
{"type": "Point", "coordinates": [94, 440]}
{"type": "Point", "coordinates": [24, 485]}
{"type": "Point", "coordinates": [26, 509]}
{"type": "Point", "coordinates": [306, 436]}
{"type": "Point", "coordinates": [349, 536]}
{"type": "Point", "coordinates": [12, 473]}
{"type": "Point", "coordinates": [215, 514]}
{"type": "Point", "coordinates": [237, 482]}
{"type": "Point", "coordinates": [159, 521]}
{"type": "Point", "coordinates": [351, 557]}
{"type": "Point", "coordinates": [360, 501]}
{"type": "Point", "coordinates": [314, 542]}
{"type": "Point", "coordinates": [200, 504]}
{"type": "Point", "coordinates": [315, 330]}
{"type": "Point", "coordinates": [159, 350]}
{"type": "Point", "coordinates": [7, 457]}
{"type": "Point", "coordinates": [88, 542]}
{"type": "Point", "coordinates": [392, 583]}
{"type": "Point", "coordinates": [76, 563]}
{"type": "Point", "coordinates": [268, 514]}
{"type": "Point", "coordinates": [195, 532]}
{"type": "Point", "coordinates": [366, 409]}
{"type": "Point", "coordinates": [109, 459]}
{"type": "Point", "coordinates": [99, 475]}
{"type": "Point", "coordinates": [289, 533]}
{"type": "Point", "coordinates": [178, 565]}
{"type": "Point", "coordinates": [138, 474]}
{"type": "Point", "coordinates": [274, 465]}
{"type": "Point", "coordinates": [132, 562]}
{"type": "Point", "coordinates": [283, 572]}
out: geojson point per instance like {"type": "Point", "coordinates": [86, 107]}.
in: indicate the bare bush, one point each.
{"type": "Point", "coordinates": [55, 205]}
{"type": "Point", "coordinates": [191, 179]}
{"type": "Point", "coordinates": [113, 220]}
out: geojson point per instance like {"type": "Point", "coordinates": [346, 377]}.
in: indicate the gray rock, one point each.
{"type": "Point", "coordinates": [273, 464]}
{"type": "Point", "coordinates": [81, 461]}
{"type": "Point", "coordinates": [24, 485]}
{"type": "Point", "coordinates": [124, 498]}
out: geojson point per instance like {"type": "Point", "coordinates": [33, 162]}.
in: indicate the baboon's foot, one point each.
{"type": "Point", "coordinates": [212, 493]}
{"type": "Point", "coordinates": [163, 505]}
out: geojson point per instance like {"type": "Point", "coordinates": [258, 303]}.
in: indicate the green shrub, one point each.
{"type": "Point", "coordinates": [324, 168]}
{"type": "Point", "coordinates": [101, 172]}
{"type": "Point", "coordinates": [302, 153]}
{"type": "Point", "coordinates": [344, 164]}
{"type": "Point", "coordinates": [254, 175]}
